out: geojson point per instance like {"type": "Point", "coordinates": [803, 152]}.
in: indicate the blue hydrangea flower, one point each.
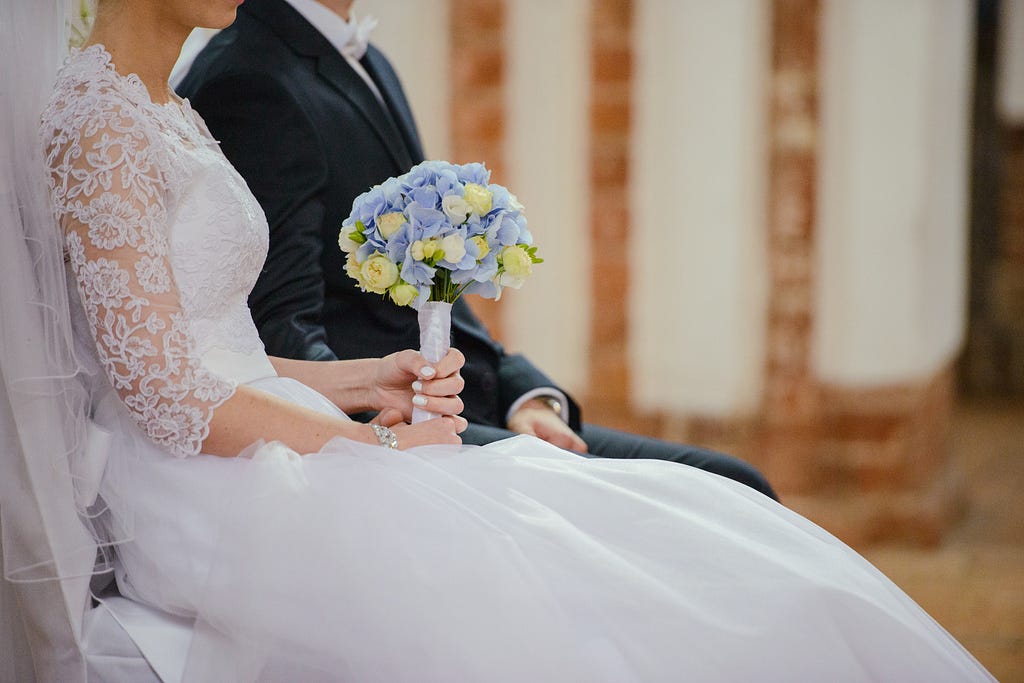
{"type": "Point", "coordinates": [437, 231]}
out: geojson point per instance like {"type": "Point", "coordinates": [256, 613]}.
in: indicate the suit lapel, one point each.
{"type": "Point", "coordinates": [380, 71]}
{"type": "Point", "coordinates": [333, 68]}
{"type": "Point", "coordinates": [304, 39]}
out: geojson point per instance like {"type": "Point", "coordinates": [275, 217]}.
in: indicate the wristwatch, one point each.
{"type": "Point", "coordinates": [386, 437]}
{"type": "Point", "coordinates": [551, 402]}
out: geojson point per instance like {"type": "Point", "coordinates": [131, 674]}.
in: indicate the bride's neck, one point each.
{"type": "Point", "coordinates": [141, 42]}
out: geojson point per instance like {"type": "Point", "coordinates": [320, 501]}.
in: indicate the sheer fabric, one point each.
{"type": "Point", "coordinates": [48, 540]}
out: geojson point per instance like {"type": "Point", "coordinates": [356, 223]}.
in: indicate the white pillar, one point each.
{"type": "Point", "coordinates": [697, 296]}
{"type": "Point", "coordinates": [893, 188]}
{"type": "Point", "coordinates": [548, 168]}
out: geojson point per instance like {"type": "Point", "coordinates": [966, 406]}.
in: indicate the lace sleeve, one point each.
{"type": "Point", "coordinates": [108, 180]}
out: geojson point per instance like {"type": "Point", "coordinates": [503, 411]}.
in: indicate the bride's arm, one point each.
{"type": "Point", "coordinates": [397, 381]}
{"type": "Point", "coordinates": [108, 181]}
{"type": "Point", "coordinates": [250, 414]}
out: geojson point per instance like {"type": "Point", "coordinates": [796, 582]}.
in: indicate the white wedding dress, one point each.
{"type": "Point", "coordinates": [511, 562]}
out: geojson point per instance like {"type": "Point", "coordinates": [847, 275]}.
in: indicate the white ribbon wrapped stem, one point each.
{"type": "Point", "coordinates": [435, 319]}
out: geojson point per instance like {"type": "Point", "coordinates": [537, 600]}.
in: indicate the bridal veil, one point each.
{"type": "Point", "coordinates": [50, 456]}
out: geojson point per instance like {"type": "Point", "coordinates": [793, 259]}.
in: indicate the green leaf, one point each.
{"type": "Point", "coordinates": [357, 235]}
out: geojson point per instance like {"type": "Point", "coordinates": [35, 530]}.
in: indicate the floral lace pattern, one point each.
{"type": "Point", "coordinates": [165, 241]}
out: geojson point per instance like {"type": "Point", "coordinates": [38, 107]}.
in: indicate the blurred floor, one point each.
{"type": "Point", "coordinates": [973, 584]}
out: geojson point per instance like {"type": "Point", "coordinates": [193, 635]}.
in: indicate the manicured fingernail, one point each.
{"type": "Point", "coordinates": [428, 371]}
{"type": "Point", "coordinates": [418, 400]}
{"type": "Point", "coordinates": [417, 386]}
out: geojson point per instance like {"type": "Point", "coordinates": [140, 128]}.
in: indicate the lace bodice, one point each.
{"type": "Point", "coordinates": [165, 241]}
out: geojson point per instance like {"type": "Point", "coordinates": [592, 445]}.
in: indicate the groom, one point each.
{"type": "Point", "coordinates": [312, 116]}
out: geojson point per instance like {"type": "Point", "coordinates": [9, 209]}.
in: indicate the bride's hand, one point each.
{"type": "Point", "coordinates": [436, 431]}
{"type": "Point", "coordinates": [405, 378]}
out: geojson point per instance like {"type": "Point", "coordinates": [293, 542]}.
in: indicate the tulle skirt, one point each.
{"type": "Point", "coordinates": [511, 562]}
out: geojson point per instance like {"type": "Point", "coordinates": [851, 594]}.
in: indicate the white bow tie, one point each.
{"type": "Point", "coordinates": [358, 37]}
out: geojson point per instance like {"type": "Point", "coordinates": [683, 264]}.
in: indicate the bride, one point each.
{"type": "Point", "coordinates": [310, 547]}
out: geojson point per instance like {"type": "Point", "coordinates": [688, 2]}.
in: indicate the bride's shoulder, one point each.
{"type": "Point", "coordinates": [96, 122]}
{"type": "Point", "coordinates": [88, 92]}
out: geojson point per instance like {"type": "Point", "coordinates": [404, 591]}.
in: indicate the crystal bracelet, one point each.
{"type": "Point", "coordinates": [386, 437]}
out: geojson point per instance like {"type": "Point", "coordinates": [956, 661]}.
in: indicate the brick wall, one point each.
{"type": "Point", "coordinates": [867, 464]}
{"type": "Point", "coordinates": [611, 68]}
{"type": "Point", "coordinates": [477, 59]}
{"type": "Point", "coordinates": [792, 396]}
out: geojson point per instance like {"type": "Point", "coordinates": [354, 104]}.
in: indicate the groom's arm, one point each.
{"type": "Point", "coordinates": [517, 377]}
{"type": "Point", "coordinates": [271, 143]}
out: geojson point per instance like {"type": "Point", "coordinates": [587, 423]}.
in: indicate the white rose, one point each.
{"type": "Point", "coordinates": [454, 248]}
{"type": "Point", "coordinates": [514, 203]}
{"type": "Point", "coordinates": [456, 208]}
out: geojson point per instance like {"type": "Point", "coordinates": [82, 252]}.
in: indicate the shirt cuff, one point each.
{"type": "Point", "coordinates": [540, 391]}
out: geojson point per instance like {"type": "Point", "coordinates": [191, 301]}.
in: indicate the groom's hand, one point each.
{"type": "Point", "coordinates": [537, 419]}
{"type": "Point", "coordinates": [405, 379]}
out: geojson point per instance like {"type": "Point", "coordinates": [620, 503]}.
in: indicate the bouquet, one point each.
{"type": "Point", "coordinates": [429, 236]}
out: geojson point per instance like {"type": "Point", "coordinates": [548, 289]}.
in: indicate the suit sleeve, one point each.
{"type": "Point", "coordinates": [516, 374]}
{"type": "Point", "coordinates": [265, 135]}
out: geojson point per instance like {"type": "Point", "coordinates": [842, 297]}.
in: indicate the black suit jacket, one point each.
{"type": "Point", "coordinates": [308, 135]}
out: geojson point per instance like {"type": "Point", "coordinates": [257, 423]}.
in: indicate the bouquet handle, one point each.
{"type": "Point", "coordinates": [435, 318]}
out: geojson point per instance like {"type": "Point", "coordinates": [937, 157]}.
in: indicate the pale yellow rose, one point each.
{"type": "Point", "coordinates": [389, 223]}
{"type": "Point", "coordinates": [403, 293]}
{"type": "Point", "coordinates": [424, 250]}
{"type": "Point", "coordinates": [516, 267]}
{"type": "Point", "coordinates": [481, 242]}
{"type": "Point", "coordinates": [514, 203]}
{"type": "Point", "coordinates": [454, 248]}
{"type": "Point", "coordinates": [345, 241]}
{"type": "Point", "coordinates": [352, 268]}
{"type": "Point", "coordinates": [516, 261]}
{"type": "Point", "coordinates": [478, 197]}
{"type": "Point", "coordinates": [378, 273]}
